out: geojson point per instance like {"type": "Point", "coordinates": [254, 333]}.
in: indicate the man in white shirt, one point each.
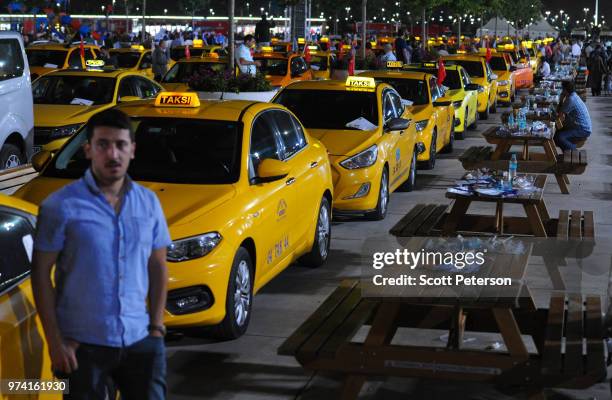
{"type": "Point", "coordinates": [544, 68]}
{"type": "Point", "coordinates": [388, 56]}
{"type": "Point", "coordinates": [244, 58]}
{"type": "Point", "coordinates": [576, 50]}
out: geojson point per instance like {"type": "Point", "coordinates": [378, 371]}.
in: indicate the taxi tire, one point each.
{"type": "Point", "coordinates": [229, 329]}
{"type": "Point", "coordinates": [485, 113]}
{"type": "Point", "coordinates": [431, 163]}
{"type": "Point", "coordinates": [451, 142]}
{"type": "Point", "coordinates": [314, 258]}
{"type": "Point", "coordinates": [10, 156]}
{"type": "Point", "coordinates": [494, 108]}
{"type": "Point", "coordinates": [461, 135]}
{"type": "Point", "coordinates": [410, 183]}
{"type": "Point", "coordinates": [381, 209]}
{"type": "Point", "coordinates": [474, 124]}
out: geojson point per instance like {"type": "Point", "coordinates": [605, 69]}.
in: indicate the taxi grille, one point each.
{"type": "Point", "coordinates": [42, 136]}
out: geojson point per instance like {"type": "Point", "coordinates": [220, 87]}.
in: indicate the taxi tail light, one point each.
{"type": "Point", "coordinates": [188, 300]}
{"type": "Point", "coordinates": [364, 159]}
{"type": "Point", "coordinates": [193, 247]}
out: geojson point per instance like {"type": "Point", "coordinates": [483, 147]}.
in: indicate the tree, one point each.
{"type": "Point", "coordinates": [520, 12]}
{"type": "Point", "coordinates": [422, 6]}
{"type": "Point", "coordinates": [458, 8]}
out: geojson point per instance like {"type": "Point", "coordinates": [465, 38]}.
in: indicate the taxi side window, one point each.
{"type": "Point", "coordinates": [489, 72]}
{"type": "Point", "coordinates": [126, 88]}
{"type": "Point", "coordinates": [16, 242]}
{"type": "Point", "coordinates": [74, 60]}
{"type": "Point", "coordinates": [96, 53]}
{"type": "Point", "coordinates": [147, 89]}
{"type": "Point", "coordinates": [146, 61]}
{"type": "Point", "coordinates": [397, 103]}
{"type": "Point", "coordinates": [290, 133]}
{"type": "Point", "coordinates": [264, 141]}
{"type": "Point", "coordinates": [12, 65]}
{"type": "Point", "coordinates": [388, 110]}
{"type": "Point", "coordinates": [435, 90]}
{"type": "Point", "coordinates": [465, 77]}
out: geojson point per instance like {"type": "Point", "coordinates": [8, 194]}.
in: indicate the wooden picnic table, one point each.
{"type": "Point", "coordinates": [325, 340]}
{"type": "Point", "coordinates": [503, 144]}
{"type": "Point", "coordinates": [532, 202]}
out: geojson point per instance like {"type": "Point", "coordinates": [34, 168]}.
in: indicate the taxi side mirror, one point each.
{"type": "Point", "coordinates": [270, 170]}
{"type": "Point", "coordinates": [128, 98]}
{"type": "Point", "coordinates": [40, 159]}
{"type": "Point", "coordinates": [397, 124]}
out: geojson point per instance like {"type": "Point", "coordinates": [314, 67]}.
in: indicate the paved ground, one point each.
{"type": "Point", "coordinates": [249, 368]}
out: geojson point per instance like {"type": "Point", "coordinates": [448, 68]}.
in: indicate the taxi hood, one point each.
{"type": "Point", "coordinates": [182, 203]}
{"type": "Point", "coordinates": [345, 142]}
{"type": "Point", "coordinates": [60, 115]}
{"type": "Point", "coordinates": [420, 112]}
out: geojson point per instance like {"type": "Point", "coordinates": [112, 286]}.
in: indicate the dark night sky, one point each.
{"type": "Point", "coordinates": [574, 7]}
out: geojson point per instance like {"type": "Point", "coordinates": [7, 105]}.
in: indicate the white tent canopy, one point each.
{"type": "Point", "coordinates": [539, 28]}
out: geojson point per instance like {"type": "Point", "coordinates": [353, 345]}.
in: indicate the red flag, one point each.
{"type": "Point", "coordinates": [341, 53]}
{"type": "Point", "coordinates": [82, 48]}
{"type": "Point", "coordinates": [351, 66]}
{"type": "Point", "coordinates": [488, 55]}
{"type": "Point", "coordinates": [187, 52]}
{"type": "Point", "coordinates": [307, 53]}
{"type": "Point", "coordinates": [441, 72]}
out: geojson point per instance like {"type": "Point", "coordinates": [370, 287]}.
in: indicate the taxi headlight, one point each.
{"type": "Point", "coordinates": [362, 160]}
{"type": "Point", "coordinates": [193, 247]}
{"type": "Point", "coordinates": [64, 131]}
{"type": "Point", "coordinates": [503, 83]}
{"type": "Point", "coordinates": [421, 125]}
{"type": "Point", "coordinates": [457, 104]}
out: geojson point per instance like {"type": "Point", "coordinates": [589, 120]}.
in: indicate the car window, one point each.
{"type": "Point", "coordinates": [11, 59]}
{"type": "Point", "coordinates": [397, 103]}
{"type": "Point", "coordinates": [465, 77]}
{"type": "Point", "coordinates": [388, 110]}
{"type": "Point", "coordinates": [290, 133]}
{"type": "Point", "coordinates": [73, 89]}
{"type": "Point", "coordinates": [146, 60]}
{"type": "Point", "coordinates": [96, 53]}
{"type": "Point", "coordinates": [74, 61]}
{"type": "Point", "coordinates": [474, 68]}
{"type": "Point", "coordinates": [16, 242]}
{"type": "Point", "coordinates": [127, 88]}
{"type": "Point", "coordinates": [435, 90]}
{"type": "Point", "coordinates": [489, 72]}
{"type": "Point", "coordinates": [146, 88]}
{"type": "Point", "coordinates": [264, 141]}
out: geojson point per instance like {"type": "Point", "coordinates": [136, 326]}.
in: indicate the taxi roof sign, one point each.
{"type": "Point", "coordinates": [177, 99]}
{"type": "Point", "coordinates": [94, 65]}
{"type": "Point", "coordinates": [198, 42]}
{"type": "Point", "coordinates": [395, 64]}
{"type": "Point", "coordinates": [324, 40]}
{"type": "Point", "coordinates": [429, 65]}
{"type": "Point", "coordinates": [313, 48]}
{"type": "Point", "coordinates": [267, 48]}
{"type": "Point", "coordinates": [301, 41]}
{"type": "Point", "coordinates": [360, 82]}
{"type": "Point", "coordinates": [137, 47]}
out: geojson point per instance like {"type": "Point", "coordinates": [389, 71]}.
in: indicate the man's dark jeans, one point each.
{"type": "Point", "coordinates": [564, 137]}
{"type": "Point", "coordinates": [137, 371]}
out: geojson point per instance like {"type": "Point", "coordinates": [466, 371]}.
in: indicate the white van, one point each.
{"type": "Point", "coordinates": [16, 107]}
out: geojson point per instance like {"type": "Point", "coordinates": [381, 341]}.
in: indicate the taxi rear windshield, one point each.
{"type": "Point", "coordinates": [498, 64]}
{"type": "Point", "coordinates": [330, 109]}
{"type": "Point", "coordinates": [178, 53]}
{"type": "Point", "coordinates": [273, 66]}
{"type": "Point", "coordinates": [169, 150]}
{"type": "Point", "coordinates": [182, 72]}
{"type": "Point", "coordinates": [126, 60]}
{"type": "Point", "coordinates": [473, 68]}
{"type": "Point", "coordinates": [73, 89]}
{"type": "Point", "coordinates": [414, 90]}
{"type": "Point", "coordinates": [48, 58]}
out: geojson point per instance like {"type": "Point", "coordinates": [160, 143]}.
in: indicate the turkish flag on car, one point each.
{"type": "Point", "coordinates": [441, 72]}
{"type": "Point", "coordinates": [82, 48]}
{"type": "Point", "coordinates": [351, 66]}
{"type": "Point", "coordinates": [307, 53]}
{"type": "Point", "coordinates": [187, 52]}
{"type": "Point", "coordinates": [488, 55]}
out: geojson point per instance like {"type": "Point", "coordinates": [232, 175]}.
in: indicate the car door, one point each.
{"type": "Point", "coordinates": [406, 143]}
{"type": "Point", "coordinates": [442, 114]}
{"type": "Point", "coordinates": [22, 347]}
{"type": "Point", "coordinates": [273, 207]}
{"type": "Point", "coordinates": [472, 95]}
{"type": "Point", "coordinates": [391, 140]}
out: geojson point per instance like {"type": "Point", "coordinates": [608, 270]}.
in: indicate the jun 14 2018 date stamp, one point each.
{"type": "Point", "coordinates": [31, 386]}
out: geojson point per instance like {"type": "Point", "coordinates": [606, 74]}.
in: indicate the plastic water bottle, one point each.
{"type": "Point", "coordinates": [511, 121]}
{"type": "Point", "coordinates": [512, 166]}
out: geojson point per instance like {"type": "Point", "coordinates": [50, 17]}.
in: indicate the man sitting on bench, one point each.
{"type": "Point", "coordinates": [575, 117]}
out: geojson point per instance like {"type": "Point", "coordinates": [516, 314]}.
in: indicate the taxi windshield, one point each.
{"type": "Point", "coordinates": [182, 72]}
{"type": "Point", "coordinates": [273, 66]}
{"type": "Point", "coordinates": [498, 64]}
{"type": "Point", "coordinates": [473, 68]}
{"type": "Point", "coordinates": [48, 58]}
{"type": "Point", "coordinates": [126, 59]}
{"type": "Point", "coordinates": [414, 90]}
{"type": "Point", "coordinates": [330, 109]}
{"type": "Point", "coordinates": [169, 150]}
{"type": "Point", "coordinates": [179, 52]}
{"type": "Point", "coordinates": [73, 89]}
{"type": "Point", "coordinates": [318, 63]}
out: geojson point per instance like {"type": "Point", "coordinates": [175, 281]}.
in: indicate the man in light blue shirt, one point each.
{"type": "Point", "coordinates": [107, 237]}
{"type": "Point", "coordinates": [577, 122]}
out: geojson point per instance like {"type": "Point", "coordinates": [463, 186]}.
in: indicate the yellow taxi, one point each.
{"type": "Point", "coordinates": [480, 72]}
{"type": "Point", "coordinates": [280, 47]}
{"type": "Point", "coordinates": [246, 191]}
{"type": "Point", "coordinates": [65, 100]}
{"type": "Point", "coordinates": [23, 348]}
{"type": "Point", "coordinates": [135, 58]}
{"type": "Point", "coordinates": [321, 63]}
{"type": "Point", "coordinates": [178, 76]}
{"type": "Point", "coordinates": [368, 134]}
{"type": "Point", "coordinates": [523, 74]}
{"type": "Point", "coordinates": [197, 49]}
{"type": "Point", "coordinates": [45, 57]}
{"type": "Point", "coordinates": [434, 114]}
{"type": "Point", "coordinates": [461, 91]}
{"type": "Point", "coordinates": [282, 69]}
{"type": "Point", "coordinates": [501, 65]}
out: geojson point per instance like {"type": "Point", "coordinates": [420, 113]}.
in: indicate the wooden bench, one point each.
{"type": "Point", "coordinates": [576, 224]}
{"type": "Point", "coordinates": [578, 142]}
{"type": "Point", "coordinates": [571, 162]}
{"type": "Point", "coordinates": [420, 221]}
{"type": "Point", "coordinates": [574, 353]}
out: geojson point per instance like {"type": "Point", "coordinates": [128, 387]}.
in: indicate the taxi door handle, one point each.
{"type": "Point", "coordinates": [401, 133]}
{"type": "Point", "coordinates": [314, 164]}
{"type": "Point", "coordinates": [290, 181]}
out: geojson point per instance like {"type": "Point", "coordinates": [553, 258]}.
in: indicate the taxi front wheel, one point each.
{"type": "Point", "coordinates": [410, 183]}
{"type": "Point", "coordinates": [485, 113]}
{"type": "Point", "coordinates": [320, 247]}
{"type": "Point", "coordinates": [10, 156]}
{"type": "Point", "coordinates": [383, 198]}
{"type": "Point", "coordinates": [239, 298]}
